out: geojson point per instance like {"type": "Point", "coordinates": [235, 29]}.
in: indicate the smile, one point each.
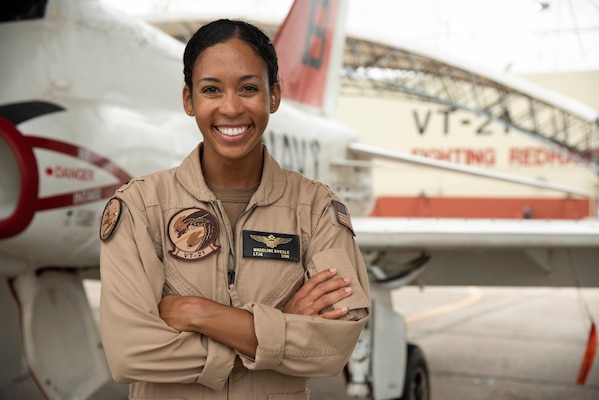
{"type": "Point", "coordinates": [233, 131]}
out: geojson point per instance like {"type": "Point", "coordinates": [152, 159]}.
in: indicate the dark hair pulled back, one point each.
{"type": "Point", "coordinates": [222, 30]}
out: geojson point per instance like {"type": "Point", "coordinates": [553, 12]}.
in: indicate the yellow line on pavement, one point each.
{"type": "Point", "coordinates": [474, 295]}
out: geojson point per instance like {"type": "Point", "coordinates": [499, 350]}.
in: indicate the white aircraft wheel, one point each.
{"type": "Point", "coordinates": [417, 383]}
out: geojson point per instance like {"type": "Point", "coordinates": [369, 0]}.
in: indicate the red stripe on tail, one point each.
{"type": "Point", "coordinates": [304, 43]}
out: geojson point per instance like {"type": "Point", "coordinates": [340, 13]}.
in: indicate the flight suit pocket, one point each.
{"type": "Point", "coordinates": [337, 258]}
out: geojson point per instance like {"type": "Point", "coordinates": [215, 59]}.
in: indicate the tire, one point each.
{"type": "Point", "coordinates": [417, 382]}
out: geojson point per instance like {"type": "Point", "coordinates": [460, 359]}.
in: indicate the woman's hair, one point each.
{"type": "Point", "coordinates": [221, 31]}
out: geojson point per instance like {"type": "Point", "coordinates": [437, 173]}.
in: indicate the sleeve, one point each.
{"type": "Point", "coordinates": [313, 346]}
{"type": "Point", "coordinates": [139, 345]}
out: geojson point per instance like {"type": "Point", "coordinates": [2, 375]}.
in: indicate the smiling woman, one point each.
{"type": "Point", "coordinates": [231, 94]}
{"type": "Point", "coordinates": [232, 255]}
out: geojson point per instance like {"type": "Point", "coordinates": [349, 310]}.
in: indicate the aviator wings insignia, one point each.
{"type": "Point", "coordinates": [271, 240]}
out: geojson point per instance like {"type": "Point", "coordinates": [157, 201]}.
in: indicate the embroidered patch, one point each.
{"type": "Point", "coordinates": [110, 218]}
{"type": "Point", "coordinates": [279, 246]}
{"type": "Point", "coordinates": [193, 232]}
{"type": "Point", "coordinates": [342, 215]}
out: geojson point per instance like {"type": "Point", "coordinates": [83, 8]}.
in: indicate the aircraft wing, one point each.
{"type": "Point", "coordinates": [522, 252]}
{"type": "Point", "coordinates": [502, 252]}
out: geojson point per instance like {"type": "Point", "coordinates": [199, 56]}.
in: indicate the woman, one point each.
{"type": "Point", "coordinates": [205, 267]}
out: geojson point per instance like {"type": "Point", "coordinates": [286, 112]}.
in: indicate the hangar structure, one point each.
{"type": "Point", "coordinates": [561, 122]}
{"type": "Point", "coordinates": [373, 67]}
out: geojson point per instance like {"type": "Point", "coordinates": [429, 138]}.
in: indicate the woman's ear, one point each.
{"type": "Point", "coordinates": [187, 102]}
{"type": "Point", "coordinates": [275, 98]}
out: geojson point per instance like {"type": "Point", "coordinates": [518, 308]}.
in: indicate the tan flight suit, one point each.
{"type": "Point", "coordinates": [161, 247]}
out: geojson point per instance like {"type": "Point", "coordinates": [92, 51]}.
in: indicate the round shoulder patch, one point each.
{"type": "Point", "coordinates": [110, 218]}
{"type": "Point", "coordinates": [193, 231]}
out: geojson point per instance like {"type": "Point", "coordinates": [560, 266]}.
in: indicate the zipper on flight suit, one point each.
{"type": "Point", "coordinates": [231, 270]}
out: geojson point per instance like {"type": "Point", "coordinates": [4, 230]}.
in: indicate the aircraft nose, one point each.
{"type": "Point", "coordinates": [19, 180]}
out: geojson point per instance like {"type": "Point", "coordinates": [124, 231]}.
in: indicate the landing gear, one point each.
{"type": "Point", "coordinates": [417, 383]}
{"type": "Point", "coordinates": [383, 365]}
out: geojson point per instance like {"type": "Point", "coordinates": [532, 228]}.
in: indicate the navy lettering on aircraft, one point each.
{"type": "Point", "coordinates": [294, 153]}
{"type": "Point", "coordinates": [316, 37]}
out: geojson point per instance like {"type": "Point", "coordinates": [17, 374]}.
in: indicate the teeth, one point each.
{"type": "Point", "coordinates": [232, 131]}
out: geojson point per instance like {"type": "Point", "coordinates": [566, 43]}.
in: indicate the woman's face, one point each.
{"type": "Point", "coordinates": [231, 100]}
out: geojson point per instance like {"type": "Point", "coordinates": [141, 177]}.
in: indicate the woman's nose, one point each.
{"type": "Point", "coordinates": [231, 105]}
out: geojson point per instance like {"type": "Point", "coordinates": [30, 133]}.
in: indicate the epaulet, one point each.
{"type": "Point", "coordinates": [341, 215]}
{"type": "Point", "coordinates": [127, 184]}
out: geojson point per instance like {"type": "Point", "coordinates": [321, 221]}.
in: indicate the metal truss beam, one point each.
{"type": "Point", "coordinates": [374, 68]}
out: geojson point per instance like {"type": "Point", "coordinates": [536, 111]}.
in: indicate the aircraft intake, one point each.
{"type": "Point", "coordinates": [18, 180]}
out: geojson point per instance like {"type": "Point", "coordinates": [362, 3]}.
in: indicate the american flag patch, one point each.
{"type": "Point", "coordinates": [342, 215]}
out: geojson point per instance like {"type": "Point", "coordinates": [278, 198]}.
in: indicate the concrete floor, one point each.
{"type": "Point", "coordinates": [496, 343]}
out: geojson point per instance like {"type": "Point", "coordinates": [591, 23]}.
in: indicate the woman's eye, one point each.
{"type": "Point", "coordinates": [209, 90]}
{"type": "Point", "coordinates": [249, 88]}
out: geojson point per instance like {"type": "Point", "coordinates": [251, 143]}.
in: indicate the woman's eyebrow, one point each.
{"type": "Point", "coordinates": [249, 76]}
{"type": "Point", "coordinates": [209, 79]}
{"type": "Point", "coordinates": [241, 79]}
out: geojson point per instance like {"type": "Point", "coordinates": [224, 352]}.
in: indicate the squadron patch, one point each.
{"type": "Point", "coordinates": [110, 218]}
{"type": "Point", "coordinates": [342, 215]}
{"type": "Point", "coordinates": [279, 246]}
{"type": "Point", "coordinates": [193, 232]}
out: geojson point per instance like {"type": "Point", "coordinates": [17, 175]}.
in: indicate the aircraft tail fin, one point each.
{"type": "Point", "coordinates": [310, 46]}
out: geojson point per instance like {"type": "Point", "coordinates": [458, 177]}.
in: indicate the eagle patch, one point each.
{"type": "Point", "coordinates": [193, 232]}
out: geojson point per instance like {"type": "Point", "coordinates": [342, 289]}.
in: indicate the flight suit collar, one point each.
{"type": "Point", "coordinates": [273, 182]}
{"type": "Point", "coordinates": [190, 176]}
{"type": "Point", "coordinates": [271, 188]}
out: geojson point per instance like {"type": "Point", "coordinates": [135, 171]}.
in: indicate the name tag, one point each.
{"type": "Point", "coordinates": [279, 246]}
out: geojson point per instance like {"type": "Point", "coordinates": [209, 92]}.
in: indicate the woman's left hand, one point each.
{"type": "Point", "coordinates": [318, 293]}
